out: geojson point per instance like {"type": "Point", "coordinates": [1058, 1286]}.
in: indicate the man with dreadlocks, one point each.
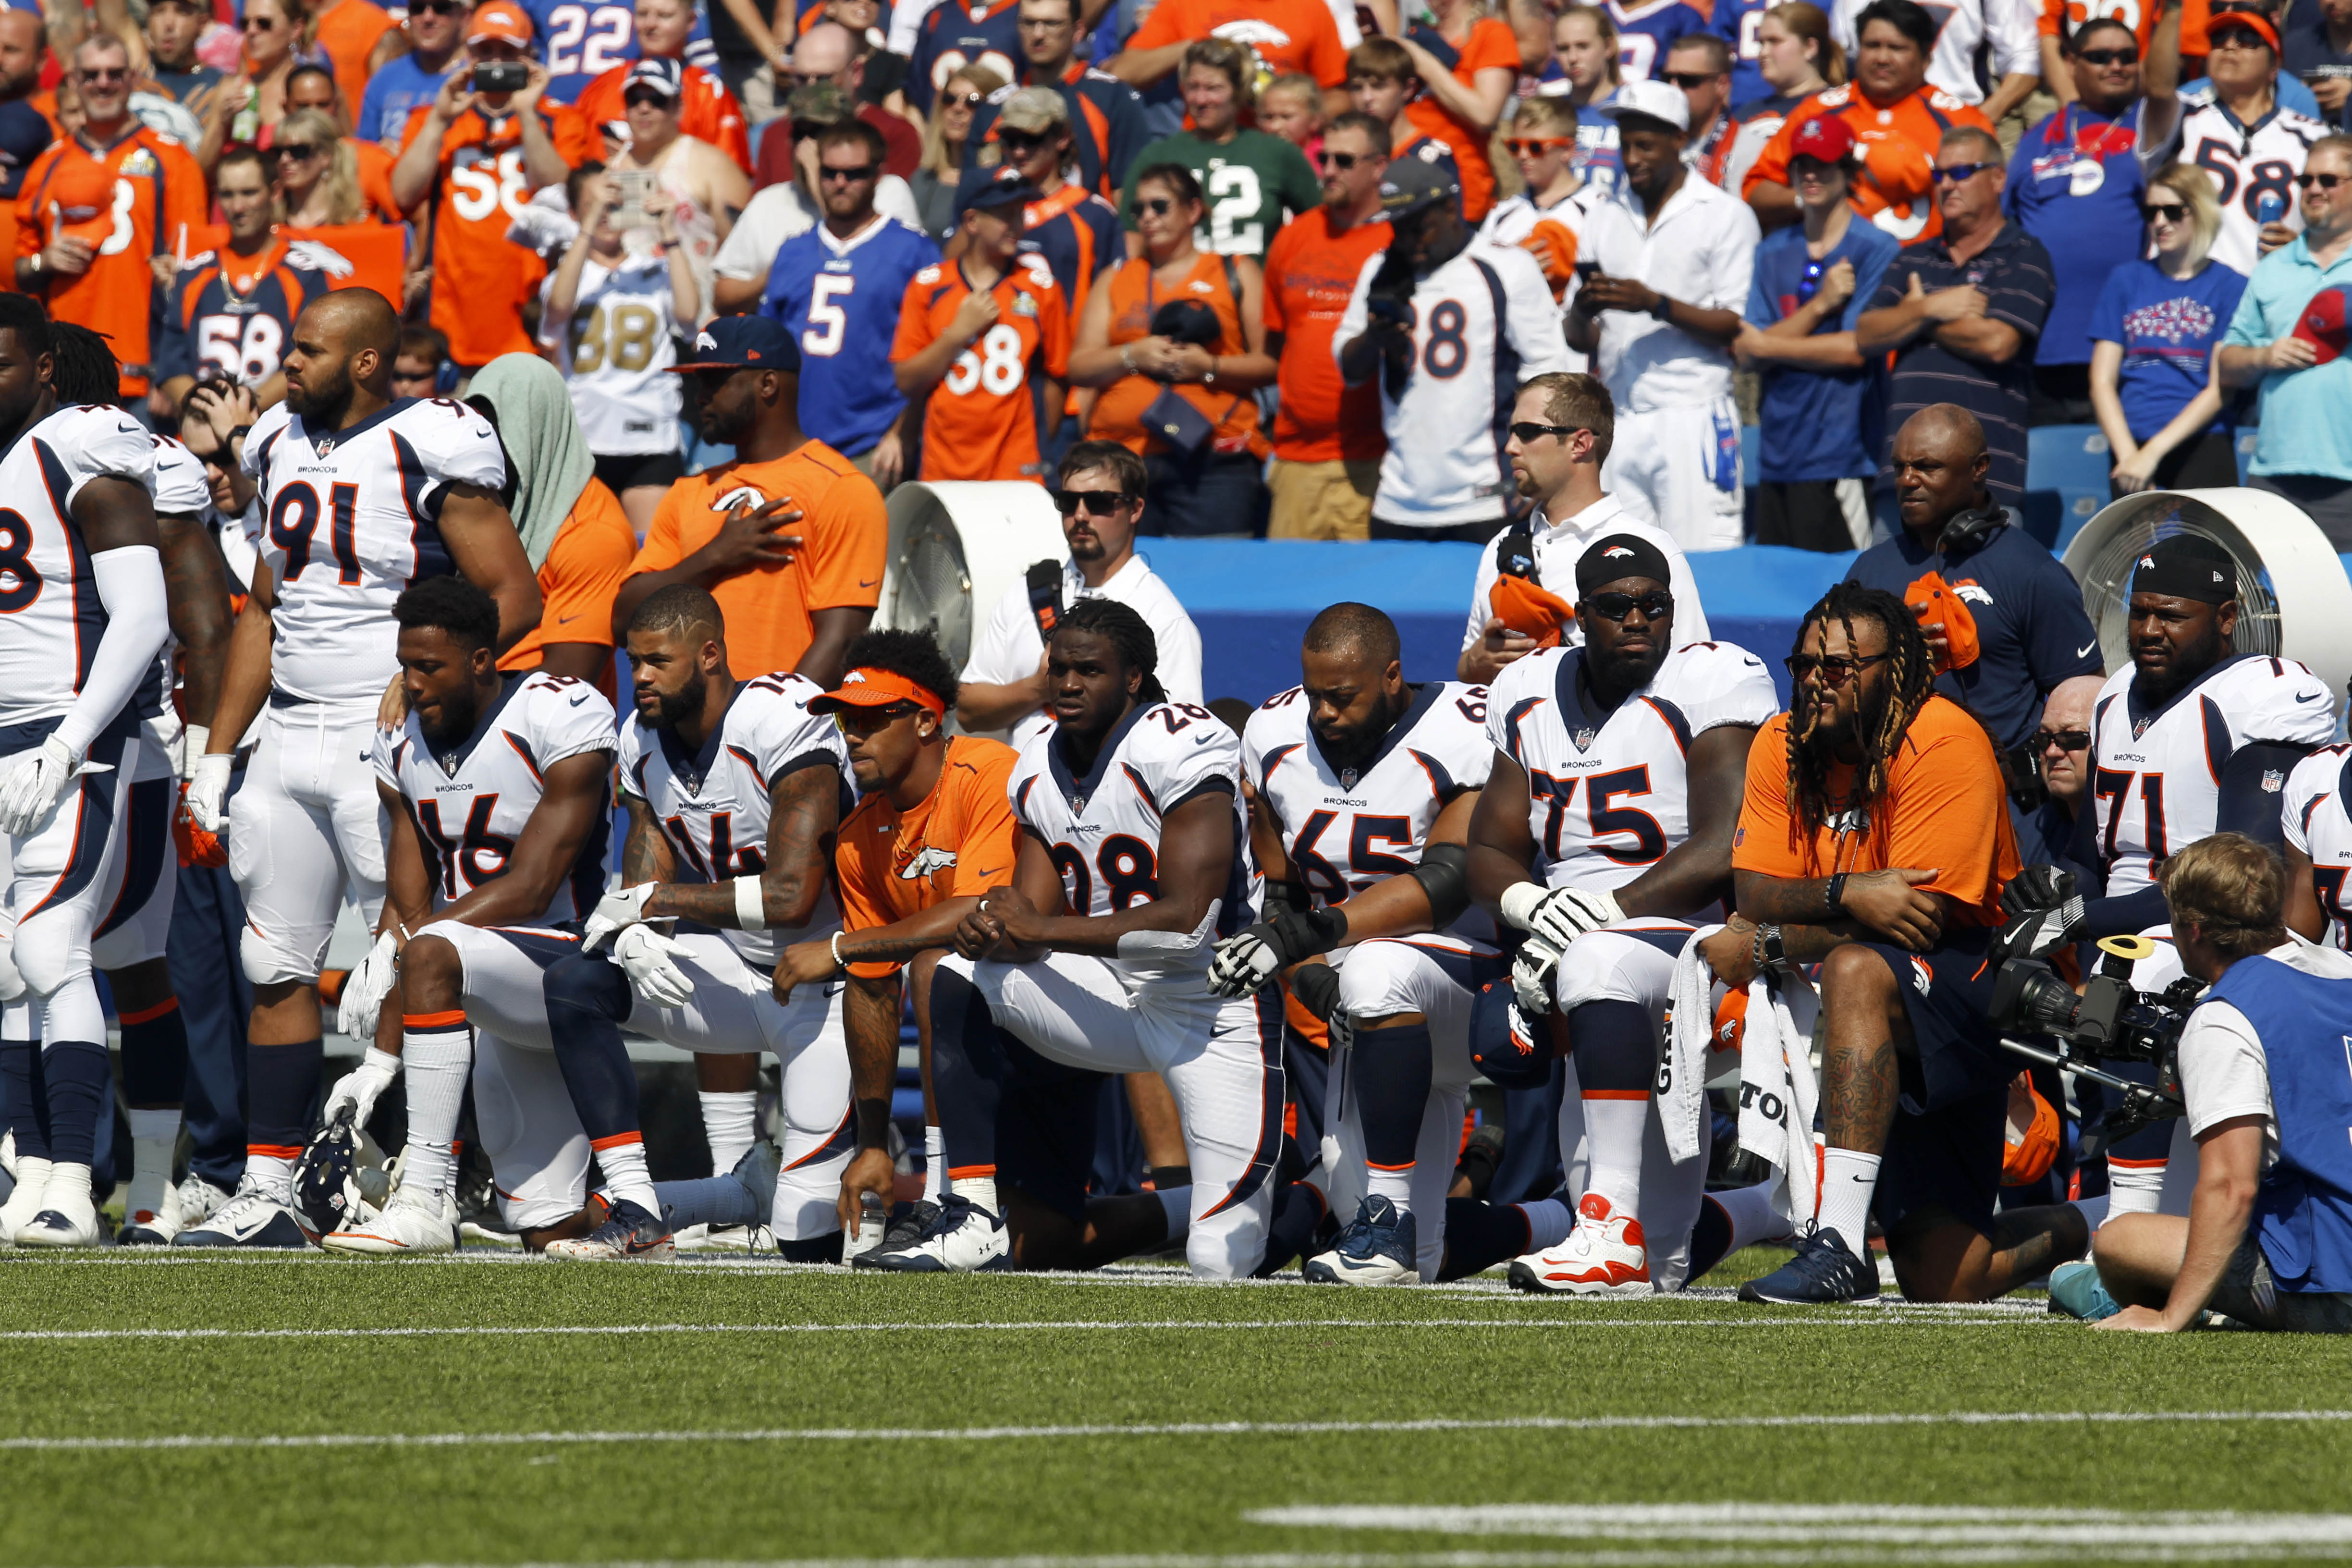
{"type": "Point", "coordinates": [1875, 838]}
{"type": "Point", "coordinates": [1134, 859]}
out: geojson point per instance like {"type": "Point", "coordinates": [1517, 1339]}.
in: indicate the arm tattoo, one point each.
{"type": "Point", "coordinates": [644, 857]}
{"type": "Point", "coordinates": [803, 812]}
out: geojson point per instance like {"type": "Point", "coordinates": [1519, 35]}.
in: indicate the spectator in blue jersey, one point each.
{"type": "Point", "coordinates": [2008, 616]}
{"type": "Point", "coordinates": [24, 130]}
{"type": "Point", "coordinates": [837, 288]}
{"type": "Point", "coordinates": [585, 38]}
{"type": "Point", "coordinates": [953, 34]}
{"type": "Point", "coordinates": [435, 29]}
{"type": "Point", "coordinates": [1105, 116]}
{"type": "Point", "coordinates": [2317, 50]}
{"type": "Point", "coordinates": [1740, 24]}
{"type": "Point", "coordinates": [2153, 333]}
{"type": "Point", "coordinates": [1797, 58]}
{"type": "Point", "coordinates": [1822, 402]}
{"type": "Point", "coordinates": [1073, 230]}
{"type": "Point", "coordinates": [2076, 186]}
{"type": "Point", "coordinates": [1646, 30]}
{"type": "Point", "coordinates": [1584, 53]}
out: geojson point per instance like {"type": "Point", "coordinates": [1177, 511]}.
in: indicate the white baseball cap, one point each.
{"type": "Point", "coordinates": [1651, 101]}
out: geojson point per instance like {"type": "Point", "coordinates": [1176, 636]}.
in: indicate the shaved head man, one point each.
{"type": "Point", "coordinates": [2060, 749]}
{"type": "Point", "coordinates": [21, 39]}
{"type": "Point", "coordinates": [342, 357]}
{"type": "Point", "coordinates": [2004, 620]}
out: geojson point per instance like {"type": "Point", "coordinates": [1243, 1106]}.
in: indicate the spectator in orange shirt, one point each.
{"type": "Point", "coordinates": [707, 111]}
{"type": "Point", "coordinates": [1383, 83]}
{"type": "Point", "coordinates": [98, 211]}
{"type": "Point", "coordinates": [1469, 65]}
{"type": "Point", "coordinates": [1327, 439]}
{"type": "Point", "coordinates": [473, 159]}
{"type": "Point", "coordinates": [1899, 119]}
{"type": "Point", "coordinates": [351, 33]}
{"type": "Point", "coordinates": [1284, 35]}
{"type": "Point", "coordinates": [789, 538]}
{"type": "Point", "coordinates": [932, 832]}
{"type": "Point", "coordinates": [983, 343]}
{"type": "Point", "coordinates": [572, 528]}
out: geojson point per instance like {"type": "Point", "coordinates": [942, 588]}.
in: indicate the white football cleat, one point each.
{"type": "Point", "coordinates": [1605, 1255]}
{"type": "Point", "coordinates": [629, 1235]}
{"type": "Point", "coordinates": [964, 1239]}
{"type": "Point", "coordinates": [1378, 1248]}
{"type": "Point", "coordinates": [200, 1200]}
{"type": "Point", "coordinates": [25, 1200]}
{"type": "Point", "coordinates": [151, 1227]}
{"type": "Point", "coordinates": [252, 1218]}
{"type": "Point", "coordinates": [68, 1217]}
{"type": "Point", "coordinates": [405, 1226]}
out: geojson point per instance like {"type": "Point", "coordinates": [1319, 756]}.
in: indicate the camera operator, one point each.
{"type": "Point", "coordinates": [2268, 1239]}
{"type": "Point", "coordinates": [2193, 738]}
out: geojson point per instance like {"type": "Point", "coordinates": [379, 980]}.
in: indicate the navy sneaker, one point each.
{"type": "Point", "coordinates": [2077, 1291]}
{"type": "Point", "coordinates": [909, 1223]}
{"type": "Point", "coordinates": [962, 1238]}
{"type": "Point", "coordinates": [1378, 1248]}
{"type": "Point", "coordinates": [1823, 1274]}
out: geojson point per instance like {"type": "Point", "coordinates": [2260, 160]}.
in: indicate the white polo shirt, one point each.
{"type": "Point", "coordinates": [1009, 648]}
{"type": "Point", "coordinates": [1559, 545]}
{"type": "Point", "coordinates": [1701, 251]}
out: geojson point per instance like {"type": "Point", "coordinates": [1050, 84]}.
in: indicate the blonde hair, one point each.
{"type": "Point", "coordinates": [1607, 30]}
{"type": "Point", "coordinates": [1811, 22]}
{"type": "Point", "coordinates": [2195, 188]}
{"type": "Point", "coordinates": [937, 160]}
{"type": "Point", "coordinates": [1544, 114]}
{"type": "Point", "coordinates": [304, 27]}
{"type": "Point", "coordinates": [2232, 889]}
{"type": "Point", "coordinates": [1310, 93]}
{"type": "Point", "coordinates": [342, 179]}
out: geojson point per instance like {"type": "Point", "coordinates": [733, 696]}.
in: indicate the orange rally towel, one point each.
{"type": "Point", "coordinates": [1525, 607]}
{"type": "Point", "coordinates": [1934, 600]}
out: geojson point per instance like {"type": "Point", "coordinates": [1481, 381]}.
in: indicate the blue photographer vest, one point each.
{"type": "Point", "coordinates": [2303, 1211]}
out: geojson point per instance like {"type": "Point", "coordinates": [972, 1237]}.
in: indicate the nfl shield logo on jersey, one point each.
{"type": "Point", "coordinates": [1583, 739]}
{"type": "Point", "coordinates": [1347, 777]}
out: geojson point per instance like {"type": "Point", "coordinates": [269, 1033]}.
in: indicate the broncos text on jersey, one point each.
{"type": "Point", "coordinates": [350, 518]}
{"type": "Point", "coordinates": [1346, 830]}
{"type": "Point", "coordinates": [712, 805]}
{"type": "Point", "coordinates": [2156, 778]}
{"type": "Point", "coordinates": [470, 803]}
{"type": "Point", "coordinates": [1608, 794]}
{"type": "Point", "coordinates": [50, 618]}
{"type": "Point", "coordinates": [1103, 830]}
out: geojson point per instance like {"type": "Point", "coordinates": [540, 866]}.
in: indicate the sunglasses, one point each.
{"type": "Point", "coordinates": [1959, 171]}
{"type": "Point", "coordinates": [439, 7]}
{"type": "Point", "coordinates": [1529, 434]}
{"type": "Point", "coordinates": [1158, 207]}
{"type": "Point", "coordinates": [2042, 740]}
{"type": "Point", "coordinates": [2170, 212]}
{"type": "Point", "coordinates": [643, 98]}
{"type": "Point", "coordinates": [2324, 182]}
{"type": "Point", "coordinates": [968, 100]}
{"type": "Point", "coordinates": [1535, 146]}
{"type": "Point", "coordinates": [1834, 671]}
{"type": "Point", "coordinates": [859, 171]}
{"type": "Point", "coordinates": [257, 25]}
{"type": "Point", "coordinates": [2110, 57]}
{"type": "Point", "coordinates": [99, 76]}
{"type": "Point", "coordinates": [1018, 143]}
{"type": "Point", "coordinates": [1342, 162]}
{"type": "Point", "coordinates": [1689, 80]}
{"type": "Point", "coordinates": [297, 152]}
{"type": "Point", "coordinates": [863, 721]}
{"type": "Point", "coordinates": [1653, 604]}
{"type": "Point", "coordinates": [2236, 39]}
{"type": "Point", "coordinates": [1098, 503]}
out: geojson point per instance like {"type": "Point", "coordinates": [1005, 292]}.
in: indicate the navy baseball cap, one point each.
{"type": "Point", "coordinates": [1005, 188]}
{"type": "Point", "coordinates": [666, 76]}
{"type": "Point", "coordinates": [741, 342]}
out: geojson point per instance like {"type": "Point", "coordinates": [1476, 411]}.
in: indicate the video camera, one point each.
{"type": "Point", "coordinates": [2109, 1020]}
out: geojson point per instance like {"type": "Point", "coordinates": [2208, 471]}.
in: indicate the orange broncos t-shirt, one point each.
{"type": "Point", "coordinates": [1945, 810]}
{"type": "Point", "coordinates": [960, 841]}
{"type": "Point", "coordinates": [845, 535]}
{"type": "Point", "coordinates": [591, 558]}
{"type": "Point", "coordinates": [1287, 35]}
{"type": "Point", "coordinates": [1491, 44]}
{"type": "Point", "coordinates": [1898, 141]}
{"type": "Point", "coordinates": [1309, 275]}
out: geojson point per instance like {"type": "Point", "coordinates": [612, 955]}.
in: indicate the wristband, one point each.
{"type": "Point", "coordinates": [1836, 894]}
{"type": "Point", "coordinates": [839, 962]}
{"type": "Point", "coordinates": [873, 1123]}
{"type": "Point", "coordinates": [751, 905]}
{"type": "Point", "coordinates": [236, 432]}
{"type": "Point", "coordinates": [1766, 949]}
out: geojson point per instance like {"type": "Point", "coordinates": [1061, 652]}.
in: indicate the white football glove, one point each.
{"type": "Point", "coordinates": [1245, 961]}
{"type": "Point", "coordinates": [365, 988]}
{"type": "Point", "coordinates": [363, 1086]}
{"type": "Point", "coordinates": [31, 783]}
{"type": "Point", "coordinates": [208, 790]}
{"type": "Point", "coordinates": [649, 960]}
{"type": "Point", "coordinates": [1560, 915]}
{"type": "Point", "coordinates": [1531, 973]}
{"type": "Point", "coordinates": [616, 911]}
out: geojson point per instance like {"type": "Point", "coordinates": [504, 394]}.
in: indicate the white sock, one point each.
{"type": "Point", "coordinates": [2095, 1210]}
{"type": "Point", "coordinates": [155, 1137]}
{"type": "Point", "coordinates": [67, 1190]}
{"type": "Point", "coordinates": [1395, 1186]}
{"type": "Point", "coordinates": [434, 1065]}
{"type": "Point", "coordinates": [935, 1163]}
{"type": "Point", "coordinates": [979, 1190]}
{"type": "Point", "coordinates": [272, 1176]}
{"type": "Point", "coordinates": [2135, 1188]}
{"type": "Point", "coordinates": [625, 1176]}
{"type": "Point", "coordinates": [1848, 1178]}
{"type": "Point", "coordinates": [1613, 1129]}
{"type": "Point", "coordinates": [1176, 1205]}
{"type": "Point", "coordinates": [730, 1126]}
{"type": "Point", "coordinates": [1753, 1218]}
{"type": "Point", "coordinates": [1548, 1223]}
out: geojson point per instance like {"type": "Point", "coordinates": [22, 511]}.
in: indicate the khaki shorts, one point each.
{"type": "Point", "coordinates": [1322, 500]}
{"type": "Point", "coordinates": [2248, 1293]}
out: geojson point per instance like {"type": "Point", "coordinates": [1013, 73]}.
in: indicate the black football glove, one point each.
{"type": "Point", "coordinates": [2044, 913]}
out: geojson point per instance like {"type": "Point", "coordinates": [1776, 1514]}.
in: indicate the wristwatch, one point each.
{"type": "Point", "coordinates": [1766, 949]}
{"type": "Point", "coordinates": [1836, 894]}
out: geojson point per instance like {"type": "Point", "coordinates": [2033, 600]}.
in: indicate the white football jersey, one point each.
{"type": "Point", "coordinates": [2004, 32]}
{"type": "Point", "coordinates": [2316, 813]}
{"type": "Point", "coordinates": [713, 806]}
{"type": "Point", "coordinates": [1345, 830]}
{"type": "Point", "coordinates": [1103, 830]}
{"type": "Point", "coordinates": [2157, 779]}
{"type": "Point", "coordinates": [470, 803]}
{"type": "Point", "coordinates": [50, 619]}
{"type": "Point", "coordinates": [616, 350]}
{"type": "Point", "coordinates": [180, 491]}
{"type": "Point", "coordinates": [1609, 795]}
{"type": "Point", "coordinates": [349, 519]}
{"type": "Point", "coordinates": [2248, 164]}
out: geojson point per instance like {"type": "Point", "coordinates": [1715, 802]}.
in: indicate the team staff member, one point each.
{"type": "Point", "coordinates": [231, 311]}
{"type": "Point", "coordinates": [1874, 839]}
{"type": "Point", "coordinates": [98, 207]}
{"type": "Point", "coordinates": [2003, 620]}
{"type": "Point", "coordinates": [1328, 440]}
{"type": "Point", "coordinates": [467, 164]}
{"type": "Point", "coordinates": [984, 342]}
{"type": "Point", "coordinates": [1259, 181]}
{"type": "Point", "coordinates": [933, 830]}
{"type": "Point", "coordinates": [1897, 118]}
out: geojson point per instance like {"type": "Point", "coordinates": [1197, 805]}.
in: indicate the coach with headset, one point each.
{"type": "Point", "coordinates": [2268, 1239]}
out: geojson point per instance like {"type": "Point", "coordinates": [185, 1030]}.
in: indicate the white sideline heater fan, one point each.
{"type": "Point", "coordinates": [2292, 596]}
{"type": "Point", "coordinates": [955, 548]}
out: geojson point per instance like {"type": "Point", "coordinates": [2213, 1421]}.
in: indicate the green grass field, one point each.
{"type": "Point", "coordinates": [487, 1410]}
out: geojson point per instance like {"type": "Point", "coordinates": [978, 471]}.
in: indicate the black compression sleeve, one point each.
{"type": "Point", "coordinates": [2253, 783]}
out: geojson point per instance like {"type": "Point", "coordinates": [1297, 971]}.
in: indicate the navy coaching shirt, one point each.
{"type": "Point", "coordinates": [2014, 273]}
{"type": "Point", "coordinates": [2032, 631]}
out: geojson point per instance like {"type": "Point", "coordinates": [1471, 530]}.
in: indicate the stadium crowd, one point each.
{"type": "Point", "coordinates": [607, 329]}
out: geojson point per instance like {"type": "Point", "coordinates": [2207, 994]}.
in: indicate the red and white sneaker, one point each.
{"type": "Point", "coordinates": [1605, 1255]}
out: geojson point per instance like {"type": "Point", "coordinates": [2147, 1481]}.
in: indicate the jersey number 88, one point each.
{"type": "Point", "coordinates": [619, 337]}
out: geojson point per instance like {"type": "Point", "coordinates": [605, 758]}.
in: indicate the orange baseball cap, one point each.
{"type": "Point", "coordinates": [500, 20]}
{"type": "Point", "coordinates": [82, 194]}
{"type": "Point", "coordinates": [866, 686]}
